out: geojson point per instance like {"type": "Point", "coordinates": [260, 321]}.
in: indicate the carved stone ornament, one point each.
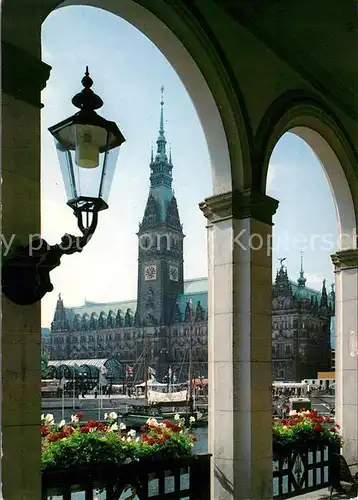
{"type": "Point", "coordinates": [239, 205]}
{"type": "Point", "coordinates": [345, 259]}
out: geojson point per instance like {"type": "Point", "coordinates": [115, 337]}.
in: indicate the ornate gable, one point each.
{"type": "Point", "coordinates": [173, 218]}
{"type": "Point", "coordinates": [151, 214]}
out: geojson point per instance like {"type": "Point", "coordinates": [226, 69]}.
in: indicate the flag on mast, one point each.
{"type": "Point", "coordinates": [62, 383]}
{"type": "Point", "coordinates": [151, 373]}
{"type": "Point", "coordinates": [102, 379]}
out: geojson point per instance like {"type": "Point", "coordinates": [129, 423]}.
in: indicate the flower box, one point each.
{"type": "Point", "coordinates": [87, 456]}
{"type": "Point", "coordinates": [303, 430]}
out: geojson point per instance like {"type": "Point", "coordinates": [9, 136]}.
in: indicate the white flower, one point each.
{"type": "Point", "coordinates": [137, 439]}
{"type": "Point", "coordinates": [123, 438]}
{"type": "Point", "coordinates": [129, 439]}
{"type": "Point", "coordinates": [132, 433]}
{"type": "Point", "coordinates": [113, 415]}
{"type": "Point", "coordinates": [49, 419]}
{"type": "Point", "coordinates": [292, 413]}
{"type": "Point", "coordinates": [74, 419]}
{"type": "Point", "coordinates": [177, 416]}
{"type": "Point", "coordinates": [92, 429]}
{"type": "Point", "coordinates": [62, 424]}
{"type": "Point", "coordinates": [114, 427]}
{"type": "Point", "coordinates": [192, 419]}
{"type": "Point", "coordinates": [42, 417]}
{"type": "Point", "coordinates": [122, 426]}
{"type": "Point", "coordinates": [152, 421]}
{"type": "Point", "coordinates": [106, 416]}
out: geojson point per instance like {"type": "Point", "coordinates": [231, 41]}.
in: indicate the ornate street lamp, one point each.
{"type": "Point", "coordinates": [87, 146]}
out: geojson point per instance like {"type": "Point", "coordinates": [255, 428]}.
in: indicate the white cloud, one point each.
{"type": "Point", "coordinates": [57, 219]}
{"type": "Point", "coordinates": [314, 281]}
{"type": "Point", "coordinates": [271, 180]}
{"type": "Point", "coordinates": [46, 56]}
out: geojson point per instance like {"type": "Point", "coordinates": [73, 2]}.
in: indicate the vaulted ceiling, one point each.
{"type": "Point", "coordinates": [318, 38]}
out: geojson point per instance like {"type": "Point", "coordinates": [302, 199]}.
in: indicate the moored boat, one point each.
{"type": "Point", "coordinates": [136, 416]}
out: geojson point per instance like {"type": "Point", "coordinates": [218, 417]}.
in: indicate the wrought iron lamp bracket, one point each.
{"type": "Point", "coordinates": [26, 275]}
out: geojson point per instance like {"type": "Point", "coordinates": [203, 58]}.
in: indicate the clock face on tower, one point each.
{"type": "Point", "coordinates": [173, 273]}
{"type": "Point", "coordinates": [150, 273]}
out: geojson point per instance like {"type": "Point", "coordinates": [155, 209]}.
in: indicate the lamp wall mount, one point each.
{"type": "Point", "coordinates": [26, 275]}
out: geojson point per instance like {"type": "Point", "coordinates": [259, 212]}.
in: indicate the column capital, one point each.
{"type": "Point", "coordinates": [239, 205]}
{"type": "Point", "coordinates": [23, 75]}
{"type": "Point", "coordinates": [345, 259]}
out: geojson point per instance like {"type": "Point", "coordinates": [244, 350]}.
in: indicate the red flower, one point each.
{"type": "Point", "coordinates": [54, 436]}
{"type": "Point", "coordinates": [170, 425]}
{"type": "Point", "coordinates": [79, 415]}
{"type": "Point", "coordinates": [44, 430]}
{"type": "Point", "coordinates": [85, 429]}
{"type": "Point", "coordinates": [67, 431]}
{"type": "Point", "coordinates": [317, 427]}
{"type": "Point", "coordinates": [93, 424]}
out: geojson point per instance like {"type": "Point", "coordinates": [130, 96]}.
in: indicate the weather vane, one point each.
{"type": "Point", "coordinates": [282, 259]}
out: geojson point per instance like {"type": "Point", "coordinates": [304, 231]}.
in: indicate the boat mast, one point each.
{"type": "Point", "coordinates": [145, 367]}
{"type": "Point", "coordinates": [190, 393]}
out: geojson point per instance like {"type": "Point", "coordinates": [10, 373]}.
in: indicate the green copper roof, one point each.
{"type": "Point", "coordinates": [195, 297]}
{"type": "Point", "coordinates": [195, 289]}
{"type": "Point", "coordinates": [163, 196]}
{"type": "Point", "coordinates": [196, 285]}
{"type": "Point", "coordinates": [98, 307]}
{"type": "Point", "coordinates": [307, 293]}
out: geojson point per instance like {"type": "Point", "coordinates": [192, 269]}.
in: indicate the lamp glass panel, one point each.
{"type": "Point", "coordinates": [109, 167]}
{"type": "Point", "coordinates": [79, 181]}
{"type": "Point", "coordinates": [67, 170]}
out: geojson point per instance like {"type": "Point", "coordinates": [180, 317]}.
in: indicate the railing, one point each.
{"type": "Point", "coordinates": [181, 478]}
{"type": "Point", "coordinates": [188, 478]}
{"type": "Point", "coordinates": [301, 471]}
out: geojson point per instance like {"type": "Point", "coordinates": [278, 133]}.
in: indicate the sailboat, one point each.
{"type": "Point", "coordinates": [180, 402]}
{"type": "Point", "coordinates": [137, 415]}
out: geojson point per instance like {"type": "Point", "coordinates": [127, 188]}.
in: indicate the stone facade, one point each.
{"type": "Point", "coordinates": [170, 314]}
{"type": "Point", "coordinates": [301, 321]}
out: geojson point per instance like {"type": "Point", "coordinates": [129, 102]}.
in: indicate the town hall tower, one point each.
{"type": "Point", "coordinates": [160, 242]}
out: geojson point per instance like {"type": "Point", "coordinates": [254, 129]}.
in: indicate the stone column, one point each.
{"type": "Point", "coordinates": [23, 77]}
{"type": "Point", "coordinates": [346, 271]}
{"type": "Point", "coordinates": [239, 344]}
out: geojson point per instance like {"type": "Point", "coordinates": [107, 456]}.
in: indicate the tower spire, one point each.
{"type": "Point", "coordinates": [324, 298]}
{"type": "Point", "coordinates": [301, 280]}
{"type": "Point", "coordinates": [161, 141]}
{"type": "Point", "coordinates": [161, 128]}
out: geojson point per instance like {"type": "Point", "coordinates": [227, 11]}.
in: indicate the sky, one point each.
{"type": "Point", "coordinates": [128, 71]}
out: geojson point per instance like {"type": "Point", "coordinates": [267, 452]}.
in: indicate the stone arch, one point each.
{"type": "Point", "coordinates": [310, 119]}
{"type": "Point", "coordinates": [214, 94]}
